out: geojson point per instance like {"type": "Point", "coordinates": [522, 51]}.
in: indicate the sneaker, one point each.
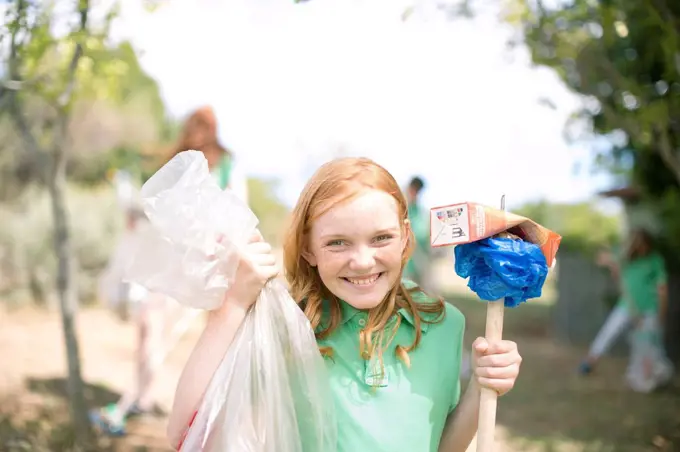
{"type": "Point", "coordinates": [136, 410]}
{"type": "Point", "coordinates": [108, 420]}
{"type": "Point", "coordinates": [585, 368]}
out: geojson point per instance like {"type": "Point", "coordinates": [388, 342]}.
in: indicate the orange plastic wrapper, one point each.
{"type": "Point", "coordinates": [468, 222]}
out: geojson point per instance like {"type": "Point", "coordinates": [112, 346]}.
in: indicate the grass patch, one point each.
{"type": "Point", "coordinates": [551, 408]}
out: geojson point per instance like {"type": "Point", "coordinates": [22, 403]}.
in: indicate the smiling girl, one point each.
{"type": "Point", "coordinates": [392, 351]}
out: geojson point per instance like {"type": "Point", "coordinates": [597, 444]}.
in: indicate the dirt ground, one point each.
{"type": "Point", "coordinates": [551, 408]}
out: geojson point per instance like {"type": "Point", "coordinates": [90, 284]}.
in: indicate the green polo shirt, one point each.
{"type": "Point", "coordinates": [641, 279]}
{"type": "Point", "coordinates": [222, 172]}
{"type": "Point", "coordinates": [407, 413]}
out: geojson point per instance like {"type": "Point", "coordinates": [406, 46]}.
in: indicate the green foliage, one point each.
{"type": "Point", "coordinates": [27, 261]}
{"type": "Point", "coordinates": [113, 103]}
{"type": "Point", "coordinates": [622, 57]}
{"type": "Point", "coordinates": [46, 91]}
{"type": "Point", "coordinates": [131, 101]}
{"type": "Point", "coordinates": [114, 74]}
{"type": "Point", "coordinates": [271, 212]}
{"type": "Point", "coordinates": [583, 228]}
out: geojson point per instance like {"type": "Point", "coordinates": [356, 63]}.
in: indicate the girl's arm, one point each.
{"type": "Point", "coordinates": [606, 259]}
{"type": "Point", "coordinates": [461, 425]}
{"type": "Point", "coordinates": [663, 303]}
{"type": "Point", "coordinates": [204, 360]}
{"type": "Point", "coordinates": [256, 266]}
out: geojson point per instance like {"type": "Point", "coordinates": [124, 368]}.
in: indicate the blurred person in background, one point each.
{"type": "Point", "coordinates": [418, 268]}
{"type": "Point", "coordinates": [153, 312]}
{"type": "Point", "coordinates": [149, 311]}
{"type": "Point", "coordinates": [618, 321]}
{"type": "Point", "coordinates": [641, 273]}
{"type": "Point", "coordinates": [200, 134]}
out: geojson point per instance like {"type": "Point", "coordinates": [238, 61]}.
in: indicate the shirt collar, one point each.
{"type": "Point", "coordinates": [358, 317]}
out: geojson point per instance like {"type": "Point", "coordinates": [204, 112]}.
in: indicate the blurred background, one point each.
{"type": "Point", "coordinates": [570, 108]}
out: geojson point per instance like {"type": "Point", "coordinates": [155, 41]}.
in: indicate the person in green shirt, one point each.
{"type": "Point", "coordinates": [617, 322]}
{"type": "Point", "coordinates": [418, 266]}
{"type": "Point", "coordinates": [641, 273]}
{"type": "Point", "coordinates": [643, 278]}
{"type": "Point", "coordinates": [392, 351]}
{"type": "Point", "coordinates": [644, 290]}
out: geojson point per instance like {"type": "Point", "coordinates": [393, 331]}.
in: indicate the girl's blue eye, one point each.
{"type": "Point", "coordinates": [382, 238]}
{"type": "Point", "coordinates": [336, 242]}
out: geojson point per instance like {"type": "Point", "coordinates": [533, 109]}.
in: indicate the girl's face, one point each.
{"type": "Point", "coordinates": [357, 248]}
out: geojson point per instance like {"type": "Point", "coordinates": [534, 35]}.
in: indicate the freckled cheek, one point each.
{"type": "Point", "coordinates": [332, 263]}
{"type": "Point", "coordinates": [389, 256]}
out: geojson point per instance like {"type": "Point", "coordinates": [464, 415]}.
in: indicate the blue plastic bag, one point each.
{"type": "Point", "coordinates": [502, 268]}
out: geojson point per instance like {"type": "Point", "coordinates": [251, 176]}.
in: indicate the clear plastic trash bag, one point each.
{"type": "Point", "coordinates": [649, 367]}
{"type": "Point", "coordinates": [189, 213]}
{"type": "Point", "coordinates": [271, 392]}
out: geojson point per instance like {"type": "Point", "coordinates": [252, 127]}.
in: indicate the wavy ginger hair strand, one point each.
{"type": "Point", "coordinates": [336, 182]}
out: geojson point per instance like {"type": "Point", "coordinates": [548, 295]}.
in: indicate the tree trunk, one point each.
{"type": "Point", "coordinates": [66, 292]}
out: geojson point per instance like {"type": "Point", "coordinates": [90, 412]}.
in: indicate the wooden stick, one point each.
{"type": "Point", "coordinates": [488, 398]}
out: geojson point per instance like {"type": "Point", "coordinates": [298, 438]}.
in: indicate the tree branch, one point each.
{"type": "Point", "coordinates": [31, 143]}
{"type": "Point", "coordinates": [66, 97]}
{"type": "Point", "coordinates": [667, 154]}
{"type": "Point", "coordinates": [10, 87]}
{"type": "Point", "coordinates": [666, 15]}
{"type": "Point", "coordinates": [13, 66]}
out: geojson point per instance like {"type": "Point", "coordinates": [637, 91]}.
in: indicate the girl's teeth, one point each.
{"type": "Point", "coordinates": [363, 281]}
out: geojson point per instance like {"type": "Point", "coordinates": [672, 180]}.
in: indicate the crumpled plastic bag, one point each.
{"type": "Point", "coordinates": [649, 367]}
{"type": "Point", "coordinates": [502, 268]}
{"type": "Point", "coordinates": [185, 259]}
{"type": "Point", "coordinates": [271, 392]}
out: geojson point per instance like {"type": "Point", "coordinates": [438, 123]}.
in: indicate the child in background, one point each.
{"type": "Point", "coordinates": [618, 321]}
{"type": "Point", "coordinates": [149, 311]}
{"type": "Point", "coordinates": [645, 289]}
{"type": "Point", "coordinates": [418, 266]}
{"type": "Point", "coordinates": [642, 276]}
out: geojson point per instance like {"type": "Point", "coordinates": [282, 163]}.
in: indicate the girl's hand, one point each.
{"type": "Point", "coordinates": [495, 366]}
{"type": "Point", "coordinates": [257, 265]}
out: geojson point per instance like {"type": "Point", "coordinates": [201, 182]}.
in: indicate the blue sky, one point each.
{"type": "Point", "coordinates": [295, 84]}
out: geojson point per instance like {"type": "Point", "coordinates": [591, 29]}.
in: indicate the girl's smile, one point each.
{"type": "Point", "coordinates": [359, 261]}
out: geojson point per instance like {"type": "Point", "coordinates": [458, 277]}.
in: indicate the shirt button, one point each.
{"type": "Point", "coordinates": [362, 322]}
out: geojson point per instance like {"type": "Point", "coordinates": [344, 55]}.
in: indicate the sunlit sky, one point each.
{"type": "Point", "coordinates": [292, 84]}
